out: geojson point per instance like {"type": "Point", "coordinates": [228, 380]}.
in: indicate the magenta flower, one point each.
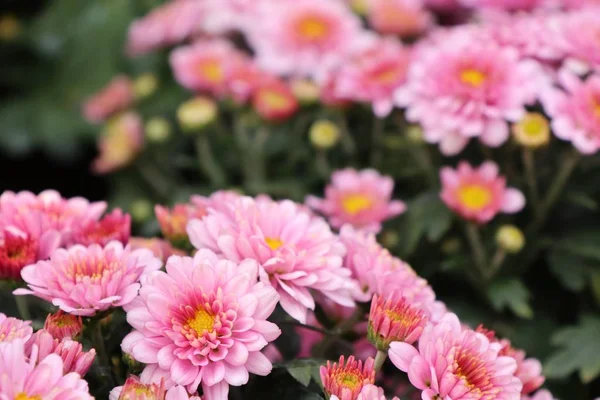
{"type": "Point", "coordinates": [406, 18]}
{"type": "Point", "coordinates": [203, 322]}
{"type": "Point", "coordinates": [273, 100]}
{"type": "Point", "coordinates": [85, 280]}
{"type": "Point", "coordinates": [26, 378]}
{"type": "Point", "coordinates": [575, 112]}
{"type": "Point", "coordinates": [459, 364]}
{"type": "Point", "coordinates": [359, 198]}
{"type": "Point", "coordinates": [115, 97]}
{"type": "Point", "coordinates": [120, 143]}
{"type": "Point", "coordinates": [113, 226]}
{"type": "Point", "coordinates": [297, 252]}
{"type": "Point", "coordinates": [478, 194]}
{"type": "Point", "coordinates": [19, 248]}
{"type": "Point", "coordinates": [346, 379]}
{"type": "Point", "coordinates": [70, 351]}
{"type": "Point", "coordinates": [63, 326]}
{"type": "Point", "coordinates": [461, 87]}
{"type": "Point", "coordinates": [14, 329]}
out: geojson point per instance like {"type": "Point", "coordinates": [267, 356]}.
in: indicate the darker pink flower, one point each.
{"type": "Point", "coordinates": [62, 325]}
{"type": "Point", "coordinates": [202, 322]}
{"type": "Point", "coordinates": [274, 100]}
{"type": "Point", "coordinates": [120, 143]}
{"type": "Point", "coordinates": [346, 379]}
{"type": "Point", "coordinates": [19, 248]}
{"type": "Point", "coordinates": [173, 222]}
{"type": "Point", "coordinates": [507, 5]}
{"type": "Point", "coordinates": [113, 226]}
{"type": "Point", "coordinates": [406, 18]}
{"type": "Point", "coordinates": [70, 351]}
{"type": "Point", "coordinates": [14, 329]}
{"type": "Point", "coordinates": [115, 97]}
{"type": "Point", "coordinates": [360, 198]}
{"type": "Point", "coordinates": [479, 194]}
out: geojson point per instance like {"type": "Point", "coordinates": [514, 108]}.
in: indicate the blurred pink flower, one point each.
{"type": "Point", "coordinates": [345, 380]}
{"type": "Point", "coordinates": [135, 389]}
{"type": "Point", "coordinates": [113, 226]}
{"type": "Point", "coordinates": [369, 392]}
{"type": "Point", "coordinates": [120, 143]}
{"type": "Point", "coordinates": [62, 325]}
{"type": "Point", "coordinates": [160, 248]}
{"type": "Point", "coordinates": [169, 24]}
{"type": "Point", "coordinates": [575, 111]}
{"type": "Point", "coordinates": [579, 31]}
{"type": "Point", "coordinates": [36, 378]}
{"type": "Point", "coordinates": [70, 351]}
{"type": "Point", "coordinates": [297, 252]}
{"type": "Point", "coordinates": [173, 222]}
{"type": "Point", "coordinates": [406, 18]}
{"type": "Point", "coordinates": [298, 37]}
{"type": "Point", "coordinates": [203, 322]}
{"type": "Point", "coordinates": [244, 78]}
{"type": "Point", "coordinates": [360, 198]}
{"type": "Point", "coordinates": [274, 100]}
{"type": "Point", "coordinates": [224, 16]}
{"type": "Point", "coordinates": [461, 86]}
{"type": "Point", "coordinates": [85, 280]}
{"type": "Point", "coordinates": [221, 201]}
{"type": "Point", "coordinates": [18, 249]}
{"type": "Point", "coordinates": [115, 97]}
{"type": "Point", "coordinates": [478, 194]}
{"type": "Point", "coordinates": [444, 6]}
{"type": "Point", "coordinates": [14, 329]}
{"type": "Point", "coordinates": [454, 363]}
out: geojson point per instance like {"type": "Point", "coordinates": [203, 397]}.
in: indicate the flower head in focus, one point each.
{"type": "Point", "coordinates": [346, 378]}
{"type": "Point", "coordinates": [62, 325]}
{"type": "Point", "coordinates": [478, 194]}
{"type": "Point", "coordinates": [18, 249]}
{"type": "Point", "coordinates": [120, 143]}
{"type": "Point", "coordinates": [14, 329]}
{"type": "Point", "coordinates": [117, 96]}
{"type": "Point", "coordinates": [70, 351]}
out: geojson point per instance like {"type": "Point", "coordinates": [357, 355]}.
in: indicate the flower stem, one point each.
{"type": "Point", "coordinates": [379, 360]}
{"type": "Point", "coordinates": [155, 179]}
{"type": "Point", "coordinates": [497, 261]}
{"type": "Point", "coordinates": [208, 163]}
{"type": "Point", "coordinates": [477, 248]}
{"type": "Point", "coordinates": [347, 141]}
{"type": "Point", "coordinates": [322, 164]}
{"type": "Point", "coordinates": [23, 307]}
{"type": "Point", "coordinates": [98, 344]}
{"type": "Point", "coordinates": [530, 176]}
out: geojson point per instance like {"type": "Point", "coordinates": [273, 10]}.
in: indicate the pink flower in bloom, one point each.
{"type": "Point", "coordinates": [203, 322]}
{"type": "Point", "coordinates": [346, 379]}
{"type": "Point", "coordinates": [540, 395]}
{"type": "Point", "coordinates": [70, 351]}
{"type": "Point", "coordinates": [160, 248]}
{"type": "Point", "coordinates": [173, 222]}
{"type": "Point", "coordinates": [84, 280]}
{"type": "Point", "coordinates": [62, 325]}
{"type": "Point", "coordinates": [298, 37]}
{"type": "Point", "coordinates": [406, 18]}
{"type": "Point", "coordinates": [120, 143]}
{"type": "Point", "coordinates": [274, 100]}
{"type": "Point", "coordinates": [579, 31]}
{"type": "Point", "coordinates": [478, 194]}
{"type": "Point", "coordinates": [221, 201]}
{"type": "Point", "coordinates": [134, 389]}
{"type": "Point", "coordinates": [14, 329]}
{"type": "Point", "coordinates": [224, 16]}
{"type": "Point", "coordinates": [297, 252]}
{"type": "Point", "coordinates": [360, 198]}
{"type": "Point", "coordinates": [575, 112]}
{"type": "Point", "coordinates": [369, 392]}
{"type": "Point", "coordinates": [26, 378]}
{"type": "Point", "coordinates": [461, 87]}
{"type": "Point", "coordinates": [205, 65]}
{"type": "Point", "coordinates": [457, 364]}
{"type": "Point", "coordinates": [373, 74]}
{"type": "Point", "coordinates": [166, 25]}
{"type": "Point", "coordinates": [116, 96]}
{"type": "Point", "coordinates": [18, 248]}
{"type": "Point", "coordinates": [114, 226]}
{"type": "Point", "coordinates": [244, 78]}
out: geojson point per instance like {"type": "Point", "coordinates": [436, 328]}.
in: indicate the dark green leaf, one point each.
{"type": "Point", "coordinates": [513, 294]}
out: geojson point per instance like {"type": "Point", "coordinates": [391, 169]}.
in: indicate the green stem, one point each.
{"type": "Point", "coordinates": [322, 164]}
{"type": "Point", "coordinates": [208, 163]}
{"type": "Point", "coordinates": [23, 307]}
{"type": "Point", "coordinates": [477, 248]}
{"type": "Point", "coordinates": [423, 159]}
{"type": "Point", "coordinates": [379, 360]}
{"type": "Point", "coordinates": [377, 138]}
{"type": "Point", "coordinates": [497, 261]}
{"type": "Point", "coordinates": [530, 176]}
{"type": "Point", "coordinates": [155, 179]}
{"type": "Point", "coordinates": [347, 141]}
{"type": "Point", "coordinates": [98, 344]}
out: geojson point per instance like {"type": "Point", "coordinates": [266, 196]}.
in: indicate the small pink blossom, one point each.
{"type": "Point", "coordinates": [115, 97]}
{"type": "Point", "coordinates": [346, 379]}
{"type": "Point", "coordinates": [360, 198]}
{"type": "Point", "coordinates": [479, 194]}
{"type": "Point", "coordinates": [63, 326]}
{"type": "Point", "coordinates": [274, 100]}
{"type": "Point", "coordinates": [14, 329]}
{"type": "Point", "coordinates": [113, 226]}
{"type": "Point", "coordinates": [18, 249]}
{"type": "Point", "coordinates": [173, 222]}
{"type": "Point", "coordinates": [135, 389]}
{"type": "Point", "coordinates": [202, 322]}
{"type": "Point", "coordinates": [85, 280]}
{"type": "Point", "coordinates": [70, 351]}
{"type": "Point", "coordinates": [120, 143]}
{"type": "Point", "coordinates": [406, 18]}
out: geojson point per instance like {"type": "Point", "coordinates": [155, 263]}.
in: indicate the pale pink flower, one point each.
{"type": "Point", "coordinates": [85, 280]}
{"type": "Point", "coordinates": [346, 379]}
{"type": "Point", "coordinates": [35, 378]}
{"type": "Point", "coordinates": [540, 395]}
{"type": "Point", "coordinates": [297, 252]}
{"type": "Point", "coordinates": [575, 111]}
{"type": "Point", "coordinates": [373, 74]}
{"type": "Point", "coordinates": [579, 31]}
{"type": "Point", "coordinates": [360, 198]}
{"type": "Point", "coordinates": [62, 325]}
{"type": "Point", "coordinates": [224, 16]}
{"type": "Point", "coordinates": [120, 143]}
{"type": "Point", "coordinates": [205, 65]}
{"type": "Point", "coordinates": [298, 37]}
{"type": "Point", "coordinates": [113, 226]}
{"type": "Point", "coordinates": [116, 96]}
{"type": "Point", "coordinates": [274, 100]}
{"type": "Point", "coordinates": [369, 392]}
{"type": "Point", "coordinates": [406, 18]}
{"type": "Point", "coordinates": [457, 364]}
{"type": "Point", "coordinates": [135, 389]}
{"type": "Point", "coordinates": [203, 322]}
{"type": "Point", "coordinates": [169, 24]}
{"type": "Point", "coordinates": [160, 248]}
{"type": "Point", "coordinates": [70, 351]}
{"type": "Point", "coordinates": [479, 194]}
{"type": "Point", "coordinates": [14, 329]}
{"type": "Point", "coordinates": [461, 86]}
{"type": "Point", "coordinates": [221, 201]}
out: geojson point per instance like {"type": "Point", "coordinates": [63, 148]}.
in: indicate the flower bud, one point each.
{"type": "Point", "coordinates": [415, 133]}
{"type": "Point", "coordinates": [62, 325]}
{"type": "Point", "coordinates": [324, 134]}
{"type": "Point", "coordinates": [120, 143]}
{"type": "Point", "coordinates": [158, 130]}
{"type": "Point", "coordinates": [510, 238]}
{"type": "Point", "coordinates": [305, 90]}
{"type": "Point", "coordinates": [532, 131]}
{"type": "Point", "coordinates": [145, 85]}
{"type": "Point", "coordinates": [346, 378]}
{"type": "Point", "coordinates": [10, 27]}
{"type": "Point", "coordinates": [196, 114]}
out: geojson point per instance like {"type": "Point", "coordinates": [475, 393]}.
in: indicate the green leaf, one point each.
{"type": "Point", "coordinates": [513, 294]}
{"type": "Point", "coordinates": [568, 268]}
{"type": "Point", "coordinates": [303, 370]}
{"type": "Point", "coordinates": [580, 347]}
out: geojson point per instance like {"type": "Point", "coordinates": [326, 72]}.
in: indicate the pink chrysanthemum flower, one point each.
{"type": "Point", "coordinates": [160, 248]}
{"type": "Point", "coordinates": [205, 65]}
{"type": "Point", "coordinates": [244, 78]}
{"type": "Point", "coordinates": [297, 251]}
{"type": "Point", "coordinates": [221, 201]}
{"type": "Point", "coordinates": [19, 248]}
{"type": "Point", "coordinates": [579, 31]}
{"type": "Point", "coordinates": [120, 143]}
{"type": "Point", "coordinates": [203, 322]}
{"type": "Point", "coordinates": [394, 320]}
{"type": "Point", "coordinates": [274, 100]}
{"type": "Point", "coordinates": [166, 25]}
{"type": "Point", "coordinates": [26, 378]}
{"type": "Point", "coordinates": [369, 392]}
{"type": "Point", "coordinates": [115, 97]}
{"type": "Point", "coordinates": [85, 280]}
{"type": "Point", "coordinates": [373, 74]}
{"type": "Point", "coordinates": [540, 395]}
{"type": "Point", "coordinates": [458, 364]}
{"type": "Point", "coordinates": [135, 389]}
{"type": "Point", "coordinates": [478, 194]}
{"type": "Point", "coordinates": [224, 16]}
{"type": "Point", "coordinates": [173, 222]}
{"type": "Point", "coordinates": [360, 198]}
{"type": "Point", "coordinates": [461, 87]}
{"type": "Point", "coordinates": [70, 351]}
{"type": "Point", "coordinates": [347, 378]}
{"type": "Point", "coordinates": [14, 329]}
{"type": "Point", "coordinates": [62, 325]}
{"type": "Point", "coordinates": [406, 18]}
{"type": "Point", "coordinates": [575, 112]}
{"type": "Point", "coordinates": [113, 226]}
{"type": "Point", "coordinates": [298, 37]}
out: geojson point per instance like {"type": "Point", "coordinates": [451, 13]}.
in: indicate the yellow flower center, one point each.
{"type": "Point", "coordinates": [24, 396]}
{"type": "Point", "coordinates": [534, 126]}
{"type": "Point", "coordinates": [474, 197]}
{"type": "Point", "coordinates": [390, 75]}
{"type": "Point", "coordinates": [212, 71]}
{"type": "Point", "coordinates": [202, 322]}
{"type": "Point", "coordinates": [355, 203]}
{"type": "Point", "coordinates": [313, 28]}
{"type": "Point", "coordinates": [349, 380]}
{"type": "Point", "coordinates": [597, 107]}
{"type": "Point", "coordinates": [273, 243]}
{"type": "Point", "coordinates": [473, 77]}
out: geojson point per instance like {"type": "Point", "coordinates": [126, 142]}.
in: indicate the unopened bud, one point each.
{"type": "Point", "coordinates": [510, 238]}
{"type": "Point", "coordinates": [158, 130]}
{"type": "Point", "coordinates": [145, 85]}
{"type": "Point", "coordinates": [196, 114]}
{"type": "Point", "coordinates": [140, 210]}
{"type": "Point", "coordinates": [324, 134]}
{"type": "Point", "coordinates": [533, 130]}
{"type": "Point", "coordinates": [62, 325]}
{"type": "Point", "coordinates": [415, 133]}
